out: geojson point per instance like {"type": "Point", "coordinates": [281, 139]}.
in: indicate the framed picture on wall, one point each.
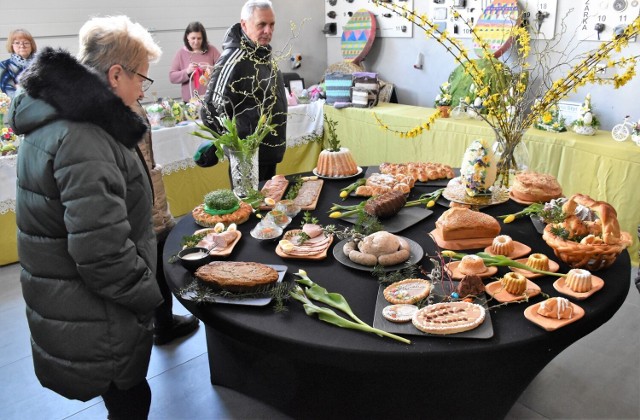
{"type": "Point", "coordinates": [296, 86]}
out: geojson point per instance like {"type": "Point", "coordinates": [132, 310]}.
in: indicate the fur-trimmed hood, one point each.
{"type": "Point", "coordinates": [73, 92]}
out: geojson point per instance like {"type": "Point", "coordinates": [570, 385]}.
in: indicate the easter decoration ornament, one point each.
{"type": "Point", "coordinates": [587, 123]}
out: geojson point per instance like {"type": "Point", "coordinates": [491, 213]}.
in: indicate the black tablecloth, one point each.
{"type": "Point", "coordinates": [310, 369]}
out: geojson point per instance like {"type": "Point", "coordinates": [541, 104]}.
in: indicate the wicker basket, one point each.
{"type": "Point", "coordinates": [592, 257]}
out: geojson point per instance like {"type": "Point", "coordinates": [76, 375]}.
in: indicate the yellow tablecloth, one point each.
{"type": "Point", "coordinates": [595, 165]}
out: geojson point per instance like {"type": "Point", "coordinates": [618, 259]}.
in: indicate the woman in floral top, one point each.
{"type": "Point", "coordinates": [22, 47]}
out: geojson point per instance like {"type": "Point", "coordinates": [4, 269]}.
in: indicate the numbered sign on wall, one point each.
{"type": "Point", "coordinates": [602, 20]}
{"type": "Point", "coordinates": [538, 15]}
{"type": "Point", "coordinates": [388, 24]}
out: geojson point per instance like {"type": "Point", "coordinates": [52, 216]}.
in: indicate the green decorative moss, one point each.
{"type": "Point", "coordinates": [221, 200]}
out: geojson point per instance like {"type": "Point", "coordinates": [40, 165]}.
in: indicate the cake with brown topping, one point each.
{"type": "Point", "coordinates": [236, 276]}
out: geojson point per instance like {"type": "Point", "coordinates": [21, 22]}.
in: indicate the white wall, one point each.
{"type": "Point", "coordinates": [56, 24]}
{"type": "Point", "coordinates": [393, 59]}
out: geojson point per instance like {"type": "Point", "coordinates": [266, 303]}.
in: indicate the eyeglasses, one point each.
{"type": "Point", "coordinates": [146, 82]}
{"type": "Point", "coordinates": [23, 43]}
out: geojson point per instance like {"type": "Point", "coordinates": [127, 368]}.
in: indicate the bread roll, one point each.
{"type": "Point", "coordinates": [463, 223]}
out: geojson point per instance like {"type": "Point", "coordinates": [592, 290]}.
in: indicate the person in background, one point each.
{"type": "Point", "coordinates": [189, 66]}
{"type": "Point", "coordinates": [167, 326]}
{"type": "Point", "coordinates": [22, 47]}
{"type": "Point", "coordinates": [83, 210]}
{"type": "Point", "coordinates": [246, 82]}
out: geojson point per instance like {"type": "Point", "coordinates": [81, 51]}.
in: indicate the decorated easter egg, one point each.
{"type": "Point", "coordinates": [587, 118]}
{"type": "Point", "coordinates": [495, 25]}
{"type": "Point", "coordinates": [478, 170]}
{"type": "Point", "coordinates": [358, 36]}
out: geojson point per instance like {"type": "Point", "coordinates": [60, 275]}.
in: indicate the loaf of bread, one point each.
{"type": "Point", "coordinates": [535, 187]}
{"type": "Point", "coordinates": [385, 205]}
{"type": "Point", "coordinates": [463, 223]}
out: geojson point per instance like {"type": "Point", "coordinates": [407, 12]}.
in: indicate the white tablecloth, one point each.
{"type": "Point", "coordinates": [174, 147]}
{"type": "Point", "coordinates": [7, 183]}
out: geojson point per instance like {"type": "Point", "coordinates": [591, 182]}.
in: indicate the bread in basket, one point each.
{"type": "Point", "coordinates": [598, 243]}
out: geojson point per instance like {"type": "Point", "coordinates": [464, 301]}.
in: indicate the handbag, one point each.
{"type": "Point", "coordinates": [366, 89]}
{"type": "Point", "coordinates": [338, 87]}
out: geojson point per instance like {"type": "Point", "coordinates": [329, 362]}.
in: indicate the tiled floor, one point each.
{"type": "Point", "coordinates": [597, 377]}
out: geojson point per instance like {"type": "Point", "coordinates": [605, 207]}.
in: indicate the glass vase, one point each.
{"type": "Point", "coordinates": [244, 172]}
{"type": "Point", "coordinates": [512, 156]}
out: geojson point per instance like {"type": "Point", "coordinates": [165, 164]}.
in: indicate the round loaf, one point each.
{"type": "Point", "coordinates": [379, 243]}
{"type": "Point", "coordinates": [535, 187]}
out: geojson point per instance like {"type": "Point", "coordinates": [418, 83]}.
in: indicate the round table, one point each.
{"type": "Point", "coordinates": [310, 369]}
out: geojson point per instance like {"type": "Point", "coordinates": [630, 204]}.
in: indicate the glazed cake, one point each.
{"type": "Point", "coordinates": [502, 245]}
{"type": "Point", "coordinates": [556, 308]}
{"type": "Point", "coordinates": [578, 280]}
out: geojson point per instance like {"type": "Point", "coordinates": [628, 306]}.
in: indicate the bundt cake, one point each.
{"type": "Point", "coordinates": [578, 280]}
{"type": "Point", "coordinates": [502, 245]}
{"type": "Point", "coordinates": [514, 283]}
{"type": "Point", "coordinates": [538, 261]}
{"type": "Point", "coordinates": [336, 164]}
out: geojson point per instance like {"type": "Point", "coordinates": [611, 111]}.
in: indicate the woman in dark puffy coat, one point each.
{"type": "Point", "coordinates": [83, 209]}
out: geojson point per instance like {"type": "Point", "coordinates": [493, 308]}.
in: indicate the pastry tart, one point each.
{"type": "Point", "coordinates": [236, 276]}
{"type": "Point", "coordinates": [449, 317]}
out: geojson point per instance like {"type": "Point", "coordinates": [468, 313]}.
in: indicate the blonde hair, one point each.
{"type": "Point", "coordinates": [105, 41]}
{"type": "Point", "coordinates": [22, 33]}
